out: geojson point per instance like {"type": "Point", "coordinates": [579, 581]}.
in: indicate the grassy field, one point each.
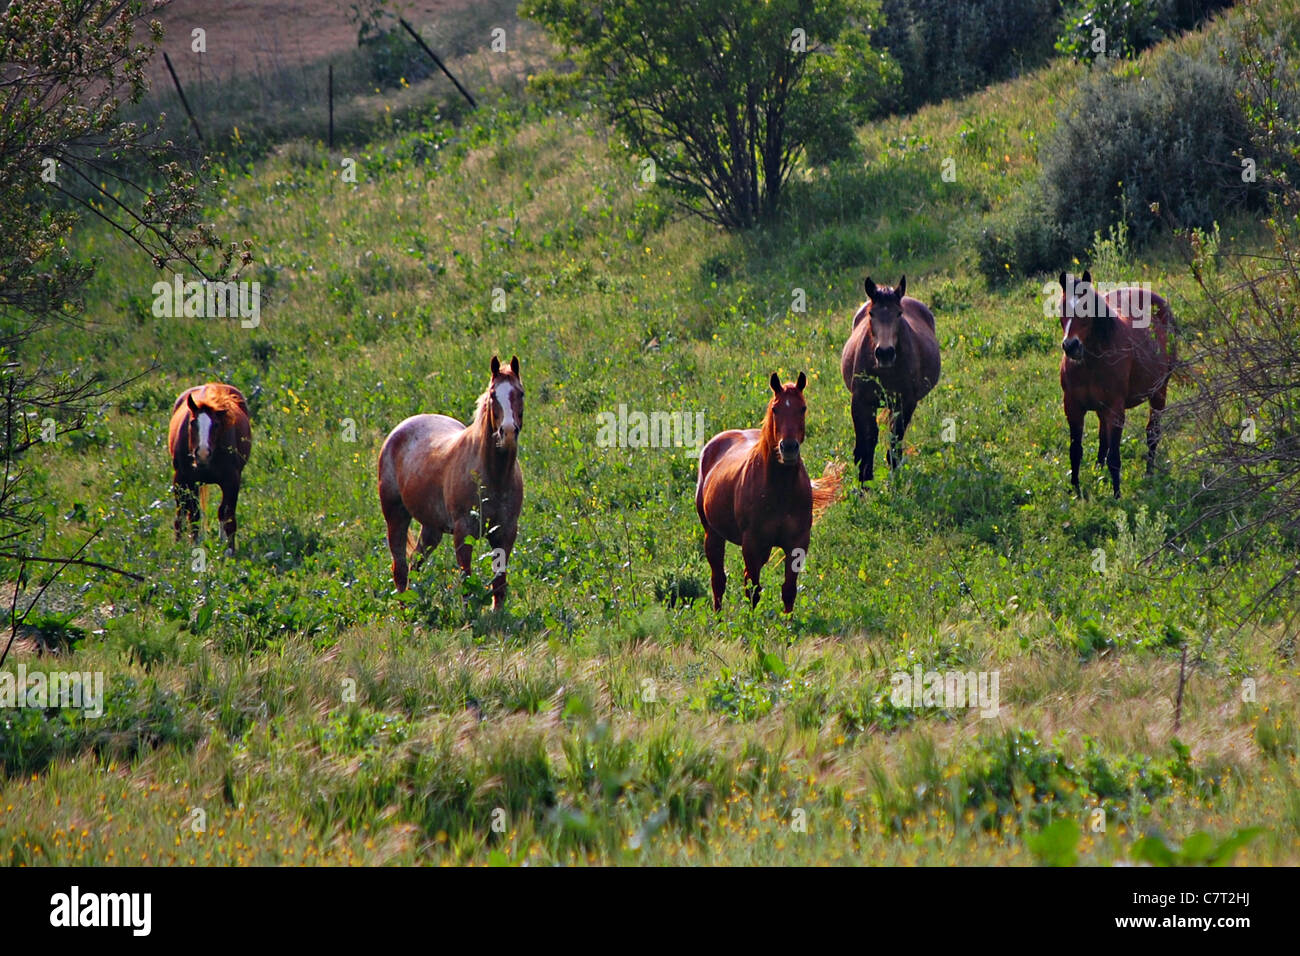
{"type": "Point", "coordinates": [284, 706]}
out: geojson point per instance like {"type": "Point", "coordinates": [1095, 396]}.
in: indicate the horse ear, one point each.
{"type": "Point", "coordinates": [803, 380]}
{"type": "Point", "coordinates": [902, 287]}
{"type": "Point", "coordinates": [775, 382]}
{"type": "Point", "coordinates": [514, 364]}
{"type": "Point", "coordinates": [496, 365]}
{"type": "Point", "coordinates": [1087, 276]}
{"type": "Point", "coordinates": [1063, 286]}
{"type": "Point", "coordinates": [871, 288]}
{"type": "Point", "coordinates": [189, 400]}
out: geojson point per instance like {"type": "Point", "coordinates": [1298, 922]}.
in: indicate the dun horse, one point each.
{"type": "Point", "coordinates": [891, 358]}
{"type": "Point", "coordinates": [465, 481]}
{"type": "Point", "coordinates": [754, 491]}
{"type": "Point", "coordinates": [1118, 354]}
{"type": "Point", "coordinates": [209, 439]}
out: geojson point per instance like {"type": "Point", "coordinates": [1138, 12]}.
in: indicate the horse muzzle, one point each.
{"type": "Point", "coordinates": [506, 438]}
{"type": "Point", "coordinates": [885, 356]}
{"type": "Point", "coordinates": [1073, 349]}
{"type": "Point", "coordinates": [787, 452]}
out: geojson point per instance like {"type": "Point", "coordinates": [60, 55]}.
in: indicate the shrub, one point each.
{"type": "Point", "coordinates": [1129, 26]}
{"type": "Point", "coordinates": [947, 48]}
{"type": "Point", "coordinates": [1127, 141]}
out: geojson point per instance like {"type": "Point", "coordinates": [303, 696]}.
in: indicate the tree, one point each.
{"type": "Point", "coordinates": [67, 67]}
{"type": "Point", "coordinates": [725, 96]}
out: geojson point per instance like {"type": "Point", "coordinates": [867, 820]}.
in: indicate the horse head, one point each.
{"type": "Point", "coordinates": [884, 319]}
{"type": "Point", "coordinates": [1086, 319]}
{"type": "Point", "coordinates": [505, 404]}
{"type": "Point", "coordinates": [784, 423]}
{"type": "Point", "coordinates": [206, 424]}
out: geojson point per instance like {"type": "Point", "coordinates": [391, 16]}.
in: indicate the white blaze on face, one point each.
{"type": "Point", "coordinates": [1068, 323]}
{"type": "Point", "coordinates": [205, 436]}
{"type": "Point", "coordinates": [504, 392]}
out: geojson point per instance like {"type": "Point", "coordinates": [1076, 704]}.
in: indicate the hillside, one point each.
{"type": "Point", "coordinates": [315, 717]}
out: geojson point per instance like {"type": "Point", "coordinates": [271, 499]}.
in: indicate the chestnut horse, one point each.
{"type": "Point", "coordinates": [754, 491]}
{"type": "Point", "coordinates": [209, 439]}
{"type": "Point", "coordinates": [1118, 354]}
{"type": "Point", "coordinates": [891, 358]}
{"type": "Point", "coordinates": [456, 479]}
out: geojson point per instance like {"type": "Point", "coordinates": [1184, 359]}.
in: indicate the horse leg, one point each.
{"type": "Point", "coordinates": [865, 430]}
{"type": "Point", "coordinates": [1153, 428]}
{"type": "Point", "coordinates": [1074, 418]}
{"type": "Point", "coordinates": [464, 550]}
{"type": "Point", "coordinates": [1115, 426]}
{"type": "Point", "coordinates": [1101, 439]}
{"type": "Point", "coordinates": [503, 542]}
{"type": "Point", "coordinates": [187, 506]}
{"type": "Point", "coordinates": [429, 539]}
{"type": "Point", "coordinates": [715, 549]}
{"type": "Point", "coordinates": [794, 558]}
{"type": "Point", "coordinates": [226, 513]}
{"type": "Point", "coordinates": [398, 520]}
{"type": "Point", "coordinates": [756, 556]}
{"type": "Point", "coordinates": [897, 427]}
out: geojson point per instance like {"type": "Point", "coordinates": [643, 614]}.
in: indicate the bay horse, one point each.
{"type": "Point", "coordinates": [891, 358]}
{"type": "Point", "coordinates": [753, 490]}
{"type": "Point", "coordinates": [458, 479]}
{"type": "Point", "coordinates": [1117, 354]}
{"type": "Point", "coordinates": [209, 439]}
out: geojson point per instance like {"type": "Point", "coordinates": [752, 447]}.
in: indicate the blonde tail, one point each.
{"type": "Point", "coordinates": [826, 489]}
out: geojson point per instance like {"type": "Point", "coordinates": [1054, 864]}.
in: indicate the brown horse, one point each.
{"type": "Point", "coordinates": [456, 479]}
{"type": "Point", "coordinates": [891, 358]}
{"type": "Point", "coordinates": [209, 439]}
{"type": "Point", "coordinates": [754, 491]}
{"type": "Point", "coordinates": [1118, 354]}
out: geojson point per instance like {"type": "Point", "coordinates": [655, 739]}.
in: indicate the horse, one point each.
{"type": "Point", "coordinates": [891, 358]}
{"type": "Point", "coordinates": [458, 479]}
{"type": "Point", "coordinates": [754, 491]}
{"type": "Point", "coordinates": [1112, 362]}
{"type": "Point", "coordinates": [209, 439]}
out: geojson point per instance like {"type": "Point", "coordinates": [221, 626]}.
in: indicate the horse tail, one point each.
{"type": "Point", "coordinates": [826, 489]}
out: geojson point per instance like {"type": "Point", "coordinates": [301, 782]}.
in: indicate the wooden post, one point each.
{"type": "Point", "coordinates": [184, 102]}
{"type": "Point", "coordinates": [331, 106]}
{"type": "Point", "coordinates": [425, 47]}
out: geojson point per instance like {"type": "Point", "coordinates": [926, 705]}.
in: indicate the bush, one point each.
{"type": "Point", "coordinates": [948, 48]}
{"type": "Point", "coordinates": [1130, 26]}
{"type": "Point", "coordinates": [1168, 136]}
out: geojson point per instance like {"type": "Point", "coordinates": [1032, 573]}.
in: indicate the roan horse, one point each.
{"type": "Point", "coordinates": [465, 481]}
{"type": "Point", "coordinates": [209, 439]}
{"type": "Point", "coordinates": [1118, 354]}
{"type": "Point", "coordinates": [891, 358]}
{"type": "Point", "coordinates": [754, 491]}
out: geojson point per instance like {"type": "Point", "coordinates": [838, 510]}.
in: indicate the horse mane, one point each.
{"type": "Point", "coordinates": [767, 433]}
{"type": "Point", "coordinates": [483, 413]}
{"type": "Point", "coordinates": [221, 400]}
{"type": "Point", "coordinates": [1103, 323]}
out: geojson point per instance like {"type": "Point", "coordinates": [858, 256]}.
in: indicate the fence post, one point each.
{"type": "Point", "coordinates": [425, 47]}
{"type": "Point", "coordinates": [184, 102]}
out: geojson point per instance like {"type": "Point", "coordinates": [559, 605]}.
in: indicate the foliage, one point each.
{"type": "Point", "coordinates": [947, 48]}
{"type": "Point", "coordinates": [1127, 26]}
{"type": "Point", "coordinates": [725, 97]}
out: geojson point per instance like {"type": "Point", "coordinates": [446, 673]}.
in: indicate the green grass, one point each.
{"type": "Point", "coordinates": [313, 717]}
